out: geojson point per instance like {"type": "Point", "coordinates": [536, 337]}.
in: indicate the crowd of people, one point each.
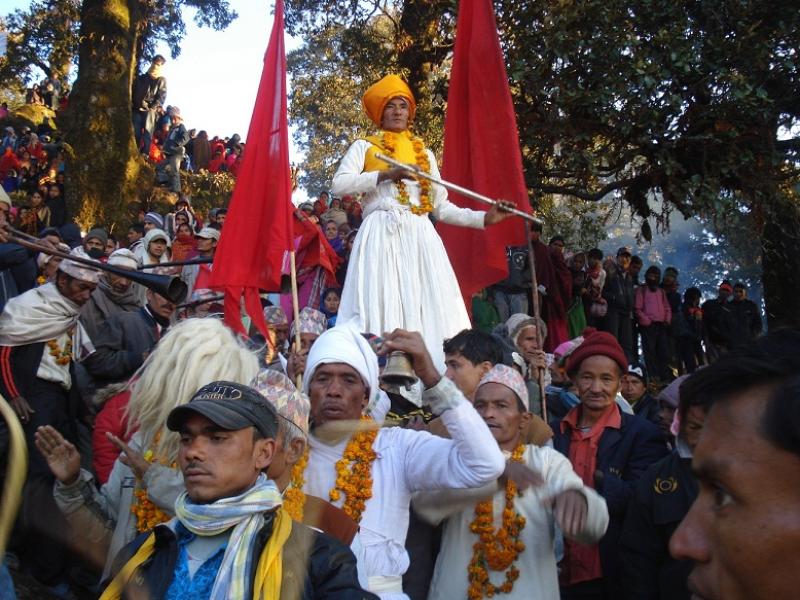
{"type": "Point", "coordinates": [534, 457]}
{"type": "Point", "coordinates": [665, 330]}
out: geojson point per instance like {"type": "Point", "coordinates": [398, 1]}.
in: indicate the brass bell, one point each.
{"type": "Point", "coordinates": [399, 372]}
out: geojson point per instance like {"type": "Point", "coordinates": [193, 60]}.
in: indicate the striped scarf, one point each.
{"type": "Point", "coordinates": [245, 514]}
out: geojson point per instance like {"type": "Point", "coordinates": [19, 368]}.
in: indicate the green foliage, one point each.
{"type": "Point", "coordinates": [208, 190]}
{"type": "Point", "coordinates": [42, 40]}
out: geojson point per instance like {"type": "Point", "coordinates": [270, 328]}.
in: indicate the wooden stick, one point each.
{"type": "Point", "coordinates": [505, 206]}
{"type": "Point", "coordinates": [295, 309]}
{"type": "Point", "coordinates": [537, 316]}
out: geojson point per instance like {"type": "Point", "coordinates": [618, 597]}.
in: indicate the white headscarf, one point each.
{"type": "Point", "coordinates": [344, 344]}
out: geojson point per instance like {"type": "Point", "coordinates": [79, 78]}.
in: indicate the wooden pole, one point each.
{"type": "Point", "coordinates": [537, 316]}
{"type": "Point", "coordinates": [295, 310]}
{"type": "Point", "coordinates": [17, 470]}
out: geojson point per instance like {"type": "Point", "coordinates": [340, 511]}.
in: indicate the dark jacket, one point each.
{"type": "Point", "coordinates": [18, 368]}
{"type": "Point", "coordinates": [746, 321]}
{"type": "Point", "coordinates": [718, 322]}
{"type": "Point", "coordinates": [17, 271]}
{"type": "Point", "coordinates": [177, 138]}
{"type": "Point", "coordinates": [618, 292]}
{"type": "Point", "coordinates": [661, 500]}
{"type": "Point", "coordinates": [622, 456]}
{"type": "Point", "coordinates": [120, 346]}
{"type": "Point", "coordinates": [315, 566]}
{"type": "Point", "coordinates": [149, 92]}
{"type": "Point", "coordinates": [647, 408]}
{"type": "Point", "coordinates": [519, 271]}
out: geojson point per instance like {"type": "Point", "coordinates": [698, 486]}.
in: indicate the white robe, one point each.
{"type": "Point", "coordinates": [408, 461]}
{"type": "Point", "coordinates": [538, 577]}
{"type": "Point", "coordinates": [399, 274]}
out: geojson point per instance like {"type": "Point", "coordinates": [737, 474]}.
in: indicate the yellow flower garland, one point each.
{"type": "Point", "coordinates": [496, 550]}
{"type": "Point", "coordinates": [65, 356]}
{"type": "Point", "coordinates": [148, 515]}
{"type": "Point", "coordinates": [421, 158]}
{"type": "Point", "coordinates": [353, 477]}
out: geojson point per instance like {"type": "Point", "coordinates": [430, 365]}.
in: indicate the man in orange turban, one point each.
{"type": "Point", "coordinates": [378, 95]}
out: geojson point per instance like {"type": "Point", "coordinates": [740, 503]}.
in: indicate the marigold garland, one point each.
{"type": "Point", "coordinates": [496, 550]}
{"type": "Point", "coordinates": [353, 476]}
{"type": "Point", "coordinates": [421, 158]}
{"type": "Point", "coordinates": [65, 356]}
{"type": "Point", "coordinates": [41, 280]}
{"type": "Point", "coordinates": [148, 515]}
{"type": "Point", "coordinates": [294, 500]}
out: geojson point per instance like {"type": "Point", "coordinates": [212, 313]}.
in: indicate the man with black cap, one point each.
{"type": "Point", "coordinates": [618, 292]}
{"type": "Point", "coordinates": [231, 539]}
{"type": "Point", "coordinates": [169, 170]}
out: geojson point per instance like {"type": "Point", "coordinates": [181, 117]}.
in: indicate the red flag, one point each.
{"type": "Point", "coordinates": [481, 149]}
{"type": "Point", "coordinates": [258, 230]}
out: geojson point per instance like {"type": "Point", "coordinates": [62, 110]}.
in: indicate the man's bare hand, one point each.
{"type": "Point", "coordinates": [411, 343]}
{"type": "Point", "coordinates": [296, 363]}
{"type": "Point", "coordinates": [129, 456]}
{"type": "Point", "coordinates": [61, 456]}
{"type": "Point", "coordinates": [570, 512]}
{"type": "Point", "coordinates": [394, 174]}
{"type": "Point", "coordinates": [22, 408]}
{"type": "Point", "coordinates": [536, 359]}
{"type": "Point", "coordinates": [522, 475]}
{"type": "Point", "coordinates": [497, 213]}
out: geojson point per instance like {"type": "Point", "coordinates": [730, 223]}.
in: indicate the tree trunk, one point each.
{"type": "Point", "coordinates": [104, 168]}
{"type": "Point", "coordinates": [780, 251]}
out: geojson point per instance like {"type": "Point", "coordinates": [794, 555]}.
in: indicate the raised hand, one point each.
{"type": "Point", "coordinates": [129, 456]}
{"type": "Point", "coordinates": [411, 343]}
{"type": "Point", "coordinates": [61, 456]}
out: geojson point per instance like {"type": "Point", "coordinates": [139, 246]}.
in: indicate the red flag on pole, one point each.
{"type": "Point", "coordinates": [481, 149]}
{"type": "Point", "coordinates": [258, 230]}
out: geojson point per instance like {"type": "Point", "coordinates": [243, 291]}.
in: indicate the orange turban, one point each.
{"type": "Point", "coordinates": [378, 95]}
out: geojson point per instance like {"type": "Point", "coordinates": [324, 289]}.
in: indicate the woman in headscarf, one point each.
{"type": "Point", "coordinates": [399, 275]}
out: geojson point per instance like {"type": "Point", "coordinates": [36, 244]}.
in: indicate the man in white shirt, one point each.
{"type": "Point", "coordinates": [516, 530]}
{"type": "Point", "coordinates": [381, 469]}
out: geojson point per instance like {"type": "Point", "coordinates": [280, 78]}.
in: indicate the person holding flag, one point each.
{"type": "Point", "coordinates": [399, 275]}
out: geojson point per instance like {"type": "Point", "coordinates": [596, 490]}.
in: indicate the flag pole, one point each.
{"type": "Point", "coordinates": [537, 316]}
{"type": "Point", "coordinates": [295, 309]}
{"type": "Point", "coordinates": [505, 206]}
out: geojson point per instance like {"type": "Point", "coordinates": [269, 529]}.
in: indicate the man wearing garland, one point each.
{"type": "Point", "coordinates": [371, 473]}
{"type": "Point", "coordinates": [40, 337]}
{"type": "Point", "coordinates": [499, 539]}
{"type": "Point", "coordinates": [399, 274]}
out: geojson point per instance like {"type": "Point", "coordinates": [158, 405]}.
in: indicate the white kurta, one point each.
{"type": "Point", "coordinates": [538, 578]}
{"type": "Point", "coordinates": [399, 274]}
{"type": "Point", "coordinates": [408, 461]}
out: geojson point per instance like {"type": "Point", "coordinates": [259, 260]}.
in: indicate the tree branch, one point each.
{"type": "Point", "coordinates": [585, 195]}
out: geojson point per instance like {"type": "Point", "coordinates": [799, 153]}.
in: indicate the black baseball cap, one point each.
{"type": "Point", "coordinates": [230, 405]}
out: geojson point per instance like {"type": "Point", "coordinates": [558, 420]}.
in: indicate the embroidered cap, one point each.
{"type": "Point", "coordinates": [509, 378]}
{"type": "Point", "coordinates": [231, 406]}
{"type": "Point", "coordinates": [288, 401]}
{"type": "Point", "coordinates": [311, 321]}
{"type": "Point", "coordinates": [274, 315]}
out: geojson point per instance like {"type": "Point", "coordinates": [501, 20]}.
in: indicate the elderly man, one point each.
{"type": "Point", "coordinates": [127, 338]}
{"type": "Point", "coordinates": [523, 331]}
{"type": "Point", "coordinates": [40, 338]}
{"type": "Point", "coordinates": [609, 449]}
{"type": "Point", "coordinates": [743, 530]}
{"type": "Point", "coordinates": [312, 325]}
{"type": "Point", "coordinates": [371, 472]}
{"type": "Point", "coordinates": [466, 566]}
{"type": "Point", "coordinates": [114, 294]}
{"type": "Point", "coordinates": [230, 538]}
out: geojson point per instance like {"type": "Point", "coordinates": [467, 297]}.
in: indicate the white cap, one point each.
{"type": "Point", "coordinates": [123, 258]}
{"type": "Point", "coordinates": [208, 233]}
